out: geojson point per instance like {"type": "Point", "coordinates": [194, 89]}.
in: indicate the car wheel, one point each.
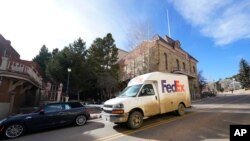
{"type": "Point", "coordinates": [14, 130]}
{"type": "Point", "coordinates": [135, 120]}
{"type": "Point", "coordinates": [181, 110]}
{"type": "Point", "coordinates": [80, 120]}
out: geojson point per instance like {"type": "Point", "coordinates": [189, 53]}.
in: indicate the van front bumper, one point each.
{"type": "Point", "coordinates": [115, 117]}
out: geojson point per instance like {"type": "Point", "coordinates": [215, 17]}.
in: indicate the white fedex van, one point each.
{"type": "Point", "coordinates": [147, 95]}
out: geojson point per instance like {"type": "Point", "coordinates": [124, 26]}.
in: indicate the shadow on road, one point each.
{"type": "Point", "coordinates": [147, 124]}
{"type": "Point", "coordinates": [63, 133]}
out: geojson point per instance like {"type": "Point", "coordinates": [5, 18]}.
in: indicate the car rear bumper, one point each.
{"type": "Point", "coordinates": [1, 128]}
{"type": "Point", "coordinates": [114, 117]}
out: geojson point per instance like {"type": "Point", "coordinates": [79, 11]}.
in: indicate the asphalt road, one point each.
{"type": "Point", "coordinates": [208, 119]}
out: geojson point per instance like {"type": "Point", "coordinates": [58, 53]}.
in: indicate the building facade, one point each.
{"type": "Point", "coordinates": [164, 55]}
{"type": "Point", "coordinates": [20, 80]}
{"type": "Point", "coordinates": [121, 54]}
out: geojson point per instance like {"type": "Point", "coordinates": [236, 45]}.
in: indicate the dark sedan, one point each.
{"type": "Point", "coordinates": [49, 115]}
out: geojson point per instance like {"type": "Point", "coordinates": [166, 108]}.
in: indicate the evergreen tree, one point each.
{"type": "Point", "coordinates": [103, 56]}
{"type": "Point", "coordinates": [72, 56]}
{"type": "Point", "coordinates": [54, 52]}
{"type": "Point", "coordinates": [244, 73]}
{"type": "Point", "coordinates": [43, 58]}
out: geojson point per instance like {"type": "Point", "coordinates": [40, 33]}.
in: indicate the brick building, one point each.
{"type": "Point", "coordinates": [160, 54]}
{"type": "Point", "coordinates": [20, 80]}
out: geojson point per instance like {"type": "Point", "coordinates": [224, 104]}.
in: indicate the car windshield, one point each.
{"type": "Point", "coordinates": [36, 109]}
{"type": "Point", "coordinates": [131, 91]}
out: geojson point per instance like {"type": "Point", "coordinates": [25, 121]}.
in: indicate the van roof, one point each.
{"type": "Point", "coordinates": [153, 76]}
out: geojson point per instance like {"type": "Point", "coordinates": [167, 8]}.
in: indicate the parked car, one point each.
{"type": "Point", "coordinates": [49, 115]}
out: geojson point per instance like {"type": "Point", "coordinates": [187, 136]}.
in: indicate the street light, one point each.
{"type": "Point", "coordinates": [67, 91]}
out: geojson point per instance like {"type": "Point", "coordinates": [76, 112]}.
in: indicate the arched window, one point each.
{"type": "Point", "coordinates": [184, 66]}
{"type": "Point", "coordinates": [166, 61]}
{"type": "Point", "coordinates": [177, 64]}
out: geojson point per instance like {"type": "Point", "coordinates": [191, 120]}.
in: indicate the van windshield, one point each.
{"type": "Point", "coordinates": [131, 91]}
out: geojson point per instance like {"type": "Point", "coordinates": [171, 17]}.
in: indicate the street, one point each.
{"type": "Point", "coordinates": [208, 119]}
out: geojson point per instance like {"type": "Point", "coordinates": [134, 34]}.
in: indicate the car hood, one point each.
{"type": "Point", "coordinates": [20, 116]}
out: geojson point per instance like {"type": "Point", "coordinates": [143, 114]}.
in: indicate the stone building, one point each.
{"type": "Point", "coordinates": [121, 54]}
{"type": "Point", "coordinates": [160, 54]}
{"type": "Point", "coordinates": [20, 80]}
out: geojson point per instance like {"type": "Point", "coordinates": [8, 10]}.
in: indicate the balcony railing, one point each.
{"type": "Point", "coordinates": [184, 71]}
{"type": "Point", "coordinates": [19, 67]}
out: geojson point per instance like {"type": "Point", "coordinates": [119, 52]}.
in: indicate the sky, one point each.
{"type": "Point", "coordinates": [215, 32]}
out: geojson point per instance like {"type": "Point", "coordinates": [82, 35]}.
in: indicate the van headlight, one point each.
{"type": "Point", "coordinates": [120, 105]}
{"type": "Point", "coordinates": [118, 109]}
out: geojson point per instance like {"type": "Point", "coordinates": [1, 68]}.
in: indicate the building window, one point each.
{"type": "Point", "coordinates": [184, 66]}
{"type": "Point", "coordinates": [166, 60]}
{"type": "Point", "coordinates": [177, 64]}
{"type": "Point", "coordinates": [193, 68]}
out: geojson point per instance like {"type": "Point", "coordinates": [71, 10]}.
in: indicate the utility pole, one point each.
{"type": "Point", "coordinates": [169, 33]}
{"type": "Point", "coordinates": [148, 48]}
{"type": "Point", "coordinates": [67, 90]}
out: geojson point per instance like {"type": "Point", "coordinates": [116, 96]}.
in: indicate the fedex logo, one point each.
{"type": "Point", "coordinates": [176, 87]}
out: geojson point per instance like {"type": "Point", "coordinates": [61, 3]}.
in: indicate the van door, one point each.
{"type": "Point", "coordinates": [148, 97]}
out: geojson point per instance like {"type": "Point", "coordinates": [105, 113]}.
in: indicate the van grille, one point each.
{"type": "Point", "coordinates": [108, 106]}
{"type": "Point", "coordinates": [108, 111]}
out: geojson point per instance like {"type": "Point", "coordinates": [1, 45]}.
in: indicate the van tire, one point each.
{"type": "Point", "coordinates": [135, 120]}
{"type": "Point", "coordinates": [181, 110]}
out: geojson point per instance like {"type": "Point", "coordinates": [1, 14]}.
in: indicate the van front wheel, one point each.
{"type": "Point", "coordinates": [181, 109]}
{"type": "Point", "coordinates": [135, 120]}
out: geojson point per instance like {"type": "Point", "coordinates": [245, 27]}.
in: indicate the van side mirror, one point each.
{"type": "Point", "coordinates": [41, 112]}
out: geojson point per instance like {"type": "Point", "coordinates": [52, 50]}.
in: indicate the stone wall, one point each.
{"type": "Point", "coordinates": [240, 91]}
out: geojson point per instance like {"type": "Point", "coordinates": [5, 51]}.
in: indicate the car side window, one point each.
{"type": "Point", "coordinates": [147, 90]}
{"type": "Point", "coordinates": [75, 105]}
{"type": "Point", "coordinates": [66, 107]}
{"type": "Point", "coordinates": [53, 108]}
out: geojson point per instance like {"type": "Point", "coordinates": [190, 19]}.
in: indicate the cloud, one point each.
{"type": "Point", "coordinates": [30, 24]}
{"type": "Point", "coordinates": [225, 21]}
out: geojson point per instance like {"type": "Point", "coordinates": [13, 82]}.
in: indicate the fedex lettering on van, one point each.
{"type": "Point", "coordinates": [176, 87]}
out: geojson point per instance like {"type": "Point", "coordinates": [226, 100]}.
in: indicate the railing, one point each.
{"type": "Point", "coordinates": [184, 71]}
{"type": "Point", "coordinates": [17, 66]}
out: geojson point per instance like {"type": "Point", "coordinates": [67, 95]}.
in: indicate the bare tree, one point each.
{"type": "Point", "coordinates": [139, 32]}
{"type": "Point", "coordinates": [107, 84]}
{"type": "Point", "coordinates": [202, 81]}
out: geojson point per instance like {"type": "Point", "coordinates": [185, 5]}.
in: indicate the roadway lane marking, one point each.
{"type": "Point", "coordinates": [118, 135]}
